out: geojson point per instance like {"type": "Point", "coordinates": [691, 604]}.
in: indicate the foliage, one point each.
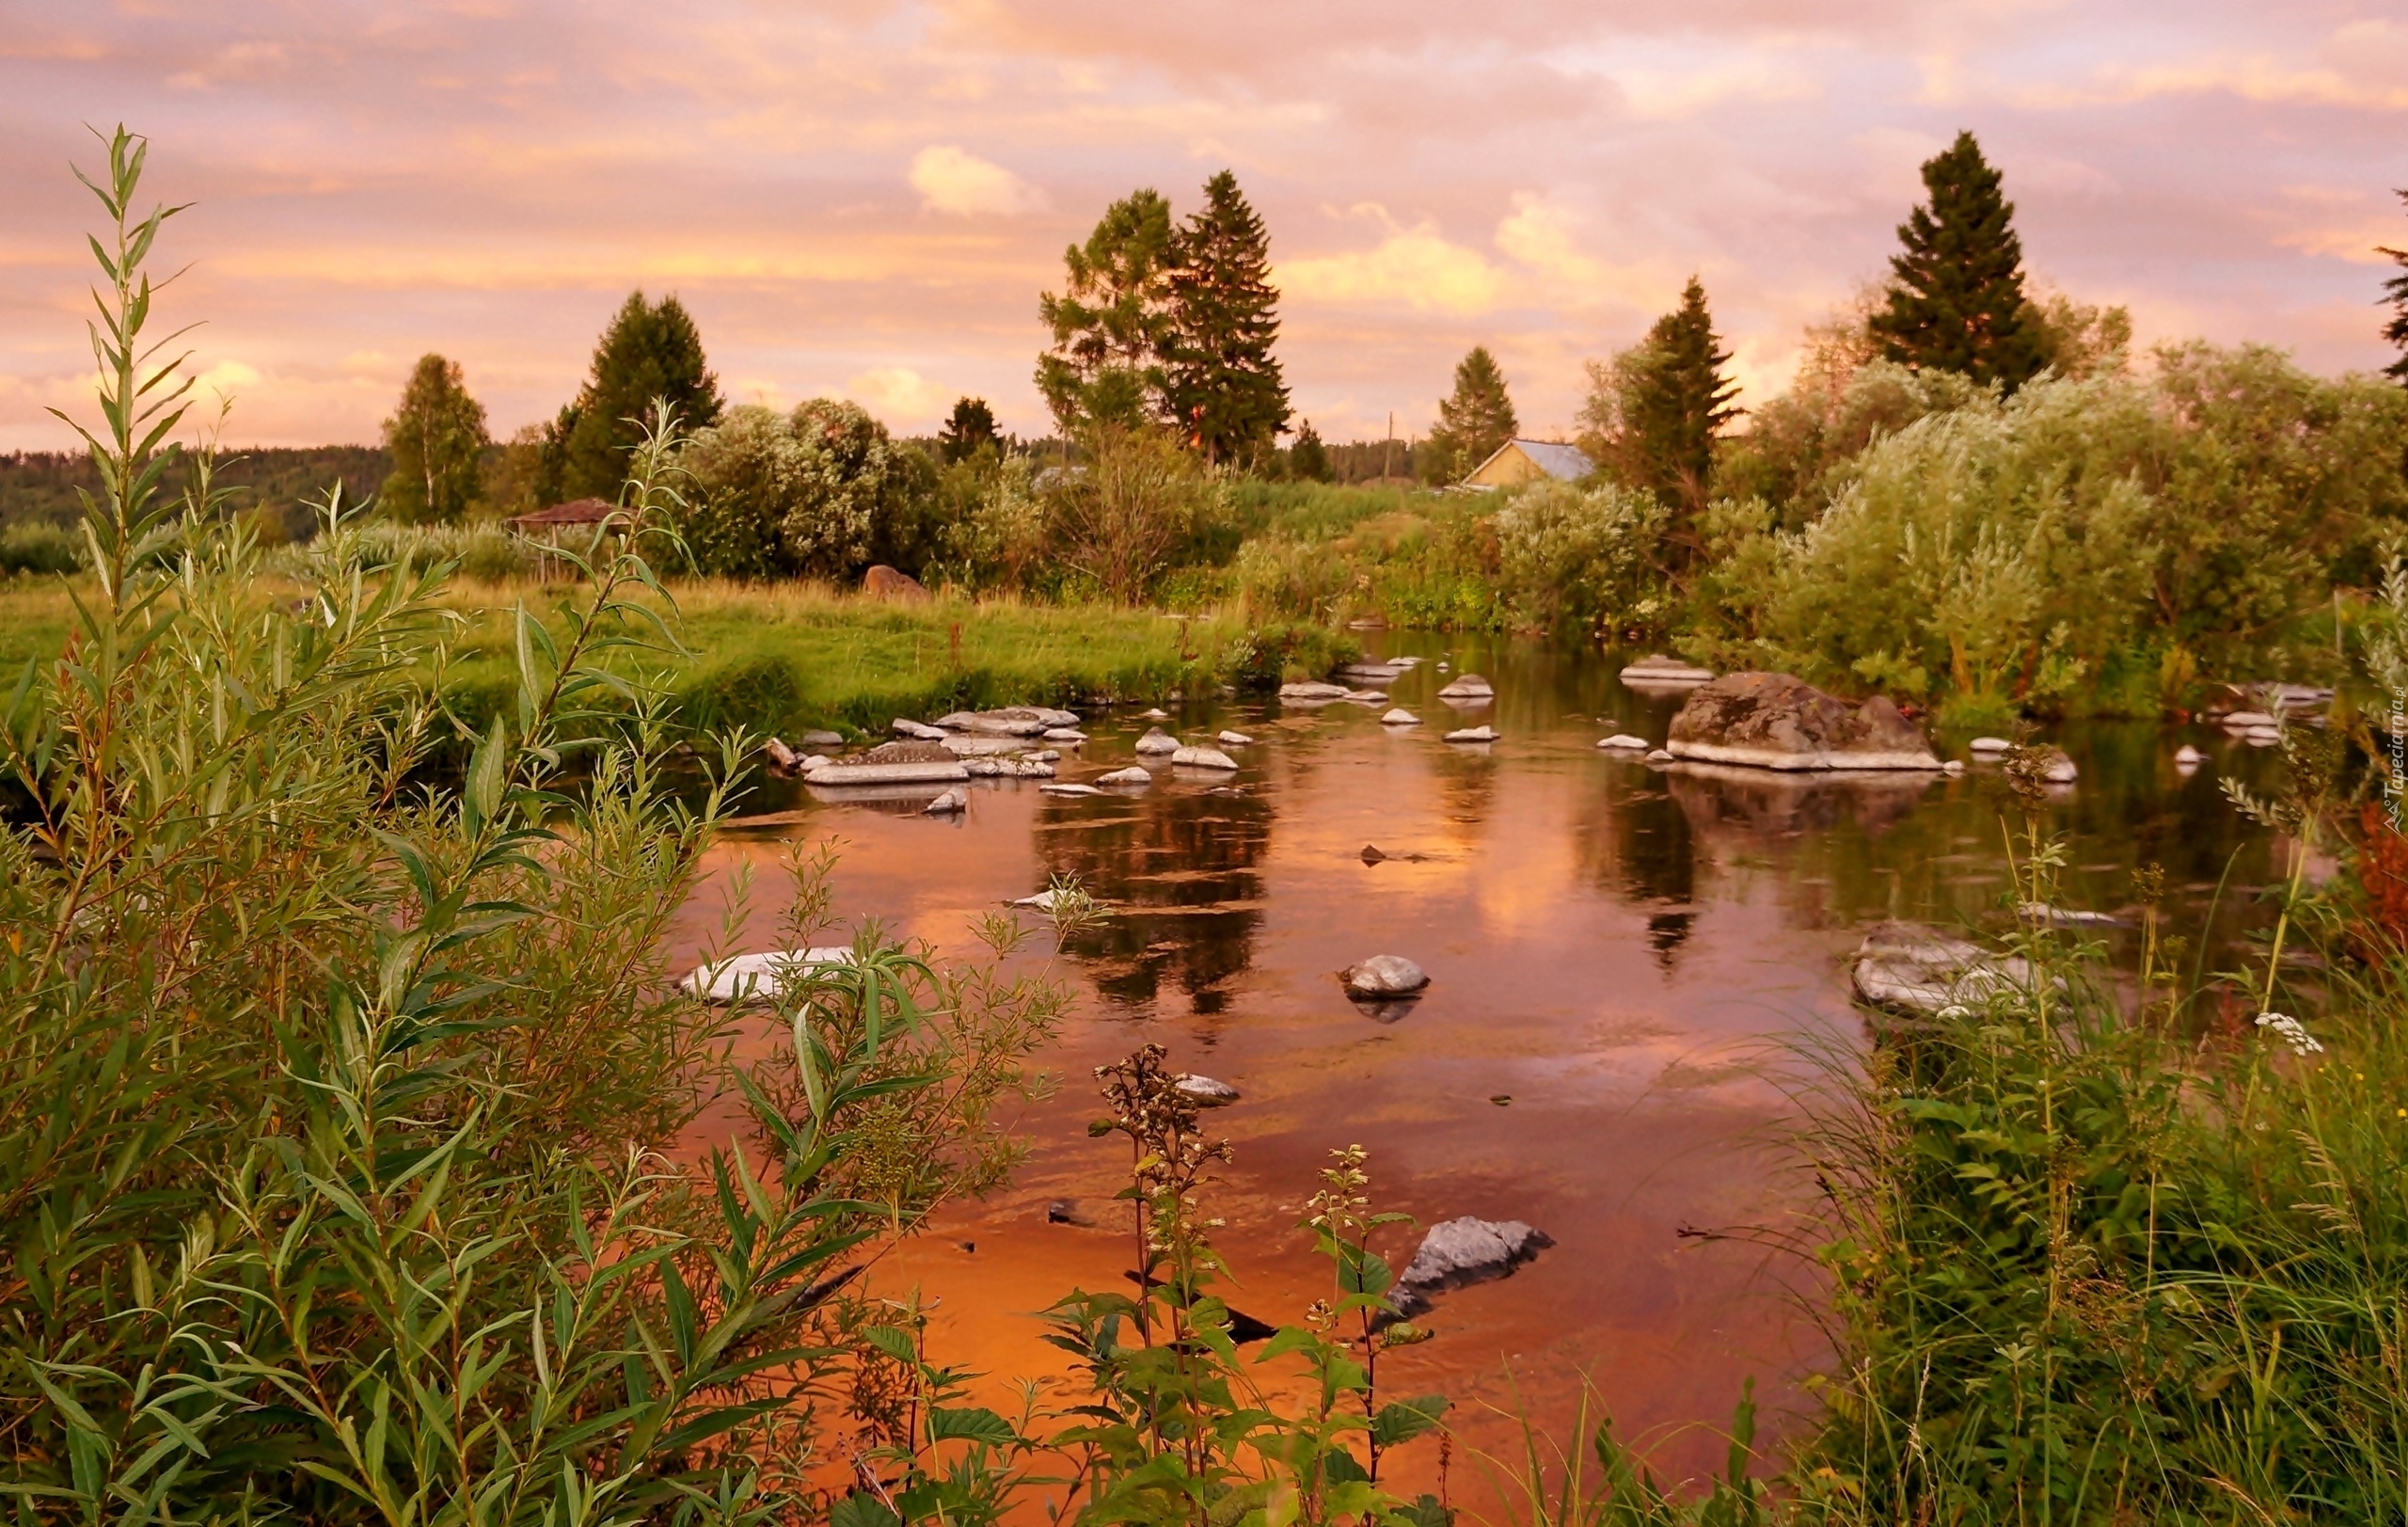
{"type": "Point", "coordinates": [39, 547]}
{"type": "Point", "coordinates": [2080, 340]}
{"type": "Point", "coordinates": [1222, 386]}
{"type": "Point", "coordinates": [1117, 520]}
{"type": "Point", "coordinates": [1584, 558]}
{"type": "Point", "coordinates": [993, 536]}
{"type": "Point", "coordinates": [969, 429]}
{"type": "Point", "coordinates": [436, 439]}
{"type": "Point", "coordinates": [2395, 289]}
{"type": "Point", "coordinates": [1113, 318]}
{"type": "Point", "coordinates": [1653, 414]}
{"type": "Point", "coordinates": [42, 484]}
{"type": "Point", "coordinates": [651, 350]}
{"type": "Point", "coordinates": [1956, 298]}
{"type": "Point", "coordinates": [819, 493]}
{"type": "Point", "coordinates": [514, 474]}
{"type": "Point", "coordinates": [1796, 446]}
{"type": "Point", "coordinates": [1308, 459]}
{"type": "Point", "coordinates": [1473, 421]}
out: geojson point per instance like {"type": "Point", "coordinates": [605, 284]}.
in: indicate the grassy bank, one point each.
{"type": "Point", "coordinates": [785, 658]}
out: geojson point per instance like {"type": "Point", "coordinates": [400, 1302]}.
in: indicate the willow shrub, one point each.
{"type": "Point", "coordinates": [332, 1101]}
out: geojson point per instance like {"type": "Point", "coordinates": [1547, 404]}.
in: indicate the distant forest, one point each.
{"type": "Point", "coordinates": [41, 485]}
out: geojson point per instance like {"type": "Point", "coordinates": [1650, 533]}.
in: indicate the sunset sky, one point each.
{"type": "Point", "coordinates": [866, 197]}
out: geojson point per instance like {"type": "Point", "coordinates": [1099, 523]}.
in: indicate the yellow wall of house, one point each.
{"type": "Point", "coordinates": [1509, 468]}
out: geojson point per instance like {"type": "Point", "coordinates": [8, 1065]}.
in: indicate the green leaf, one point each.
{"type": "Point", "coordinates": [1401, 1420]}
{"type": "Point", "coordinates": [973, 1424]}
{"type": "Point", "coordinates": [863, 1509]}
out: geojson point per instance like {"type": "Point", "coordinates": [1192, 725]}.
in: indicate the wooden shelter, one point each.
{"type": "Point", "coordinates": [574, 526]}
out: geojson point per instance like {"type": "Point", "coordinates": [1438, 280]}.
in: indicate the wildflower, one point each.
{"type": "Point", "coordinates": [2292, 1032]}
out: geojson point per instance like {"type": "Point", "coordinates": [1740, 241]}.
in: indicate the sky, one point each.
{"type": "Point", "coordinates": [865, 198]}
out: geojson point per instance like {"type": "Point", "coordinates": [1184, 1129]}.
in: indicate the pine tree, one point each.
{"type": "Point", "coordinates": [1111, 320]}
{"type": "Point", "coordinates": [1474, 422]}
{"type": "Point", "coordinates": [970, 425]}
{"type": "Point", "coordinates": [2396, 297]}
{"type": "Point", "coordinates": [436, 439]}
{"type": "Point", "coordinates": [651, 350]}
{"type": "Point", "coordinates": [1308, 459]}
{"type": "Point", "coordinates": [1223, 389]}
{"type": "Point", "coordinates": [1676, 400]}
{"type": "Point", "coordinates": [1956, 298]}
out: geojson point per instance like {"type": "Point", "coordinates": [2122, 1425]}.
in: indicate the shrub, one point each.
{"type": "Point", "coordinates": [39, 546]}
{"type": "Point", "coordinates": [814, 494]}
{"type": "Point", "coordinates": [1584, 558]}
{"type": "Point", "coordinates": [1117, 520]}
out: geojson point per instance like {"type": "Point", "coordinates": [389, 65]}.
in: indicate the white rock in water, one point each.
{"type": "Point", "coordinates": [817, 760]}
{"type": "Point", "coordinates": [1625, 742]}
{"type": "Point", "coordinates": [891, 774]}
{"type": "Point", "coordinates": [1916, 970]}
{"type": "Point", "coordinates": [2057, 768]}
{"type": "Point", "coordinates": [1057, 720]}
{"type": "Point", "coordinates": [952, 802]}
{"type": "Point", "coordinates": [1658, 756]}
{"type": "Point", "coordinates": [1385, 975]}
{"type": "Point", "coordinates": [1064, 734]}
{"type": "Point", "coordinates": [1042, 901]}
{"type": "Point", "coordinates": [759, 977]}
{"type": "Point", "coordinates": [1234, 740]}
{"type": "Point", "coordinates": [1205, 1093]}
{"type": "Point", "coordinates": [1203, 758]}
{"type": "Point", "coordinates": [926, 733]}
{"type": "Point", "coordinates": [1659, 672]}
{"type": "Point", "coordinates": [2049, 916]}
{"type": "Point", "coordinates": [1068, 790]}
{"type": "Point", "coordinates": [1156, 714]}
{"type": "Point", "coordinates": [1474, 734]}
{"type": "Point", "coordinates": [1989, 744]}
{"type": "Point", "coordinates": [1953, 766]}
{"type": "Point", "coordinates": [1158, 740]}
{"type": "Point", "coordinates": [1134, 774]}
{"type": "Point", "coordinates": [821, 740]}
{"type": "Point", "coordinates": [2187, 756]}
{"type": "Point", "coordinates": [1312, 690]}
{"type": "Point", "coordinates": [2242, 721]}
{"type": "Point", "coordinates": [1399, 716]}
{"type": "Point", "coordinates": [1046, 756]}
{"type": "Point", "coordinates": [1459, 1251]}
{"type": "Point", "coordinates": [2261, 736]}
{"type": "Point", "coordinates": [1469, 687]}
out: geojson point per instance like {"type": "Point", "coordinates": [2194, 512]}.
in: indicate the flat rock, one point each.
{"type": "Point", "coordinates": [1778, 721]}
{"type": "Point", "coordinates": [1042, 901]}
{"type": "Point", "coordinates": [1134, 774]}
{"type": "Point", "coordinates": [817, 760]}
{"type": "Point", "coordinates": [1469, 687]}
{"type": "Point", "coordinates": [1012, 722]}
{"type": "Point", "coordinates": [821, 740]}
{"type": "Point", "coordinates": [1385, 975]}
{"type": "Point", "coordinates": [1155, 714]}
{"type": "Point", "coordinates": [1658, 756]}
{"type": "Point", "coordinates": [951, 803]}
{"type": "Point", "coordinates": [1193, 757]}
{"type": "Point", "coordinates": [1070, 735]}
{"type": "Point", "coordinates": [1234, 740]}
{"type": "Point", "coordinates": [1457, 1252]}
{"type": "Point", "coordinates": [1313, 690]}
{"type": "Point", "coordinates": [1658, 671]}
{"type": "Point", "coordinates": [1918, 970]}
{"type": "Point", "coordinates": [972, 745]}
{"type": "Point", "coordinates": [1206, 1093]}
{"type": "Point", "coordinates": [888, 774]}
{"type": "Point", "coordinates": [747, 977]}
{"type": "Point", "coordinates": [2242, 720]}
{"type": "Point", "coordinates": [1625, 742]}
{"type": "Point", "coordinates": [904, 727]}
{"type": "Point", "coordinates": [1374, 673]}
{"type": "Point", "coordinates": [1989, 744]}
{"type": "Point", "coordinates": [1399, 716]}
{"type": "Point", "coordinates": [2044, 916]}
{"type": "Point", "coordinates": [1474, 734]}
{"type": "Point", "coordinates": [1158, 740]}
{"type": "Point", "coordinates": [1046, 756]}
{"type": "Point", "coordinates": [1059, 788]}
{"type": "Point", "coordinates": [1366, 697]}
{"type": "Point", "coordinates": [1007, 769]}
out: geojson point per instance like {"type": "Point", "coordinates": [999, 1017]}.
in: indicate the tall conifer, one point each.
{"type": "Point", "coordinates": [651, 350]}
{"type": "Point", "coordinates": [1956, 298]}
{"type": "Point", "coordinates": [2395, 296]}
{"type": "Point", "coordinates": [1678, 405]}
{"type": "Point", "coordinates": [1222, 386]}
{"type": "Point", "coordinates": [1474, 420]}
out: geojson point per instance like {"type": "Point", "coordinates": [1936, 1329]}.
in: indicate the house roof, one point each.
{"type": "Point", "coordinates": [574, 512]}
{"type": "Point", "coordinates": [1567, 463]}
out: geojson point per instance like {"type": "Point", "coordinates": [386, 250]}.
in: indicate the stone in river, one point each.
{"type": "Point", "coordinates": [823, 739]}
{"type": "Point", "coordinates": [1658, 672]}
{"type": "Point", "coordinates": [1474, 734]}
{"type": "Point", "coordinates": [2187, 757]}
{"type": "Point", "coordinates": [888, 774]}
{"type": "Point", "coordinates": [1385, 975]}
{"type": "Point", "coordinates": [817, 760]}
{"type": "Point", "coordinates": [2056, 768]}
{"type": "Point", "coordinates": [1658, 756]}
{"type": "Point", "coordinates": [2243, 720]}
{"type": "Point", "coordinates": [1778, 721]}
{"type": "Point", "coordinates": [1234, 740]}
{"type": "Point", "coordinates": [926, 733]}
{"type": "Point", "coordinates": [1157, 741]}
{"type": "Point", "coordinates": [1921, 971]}
{"type": "Point", "coordinates": [1312, 690]}
{"type": "Point", "coordinates": [1042, 901]}
{"type": "Point", "coordinates": [781, 758]}
{"type": "Point", "coordinates": [1399, 716]}
{"type": "Point", "coordinates": [759, 977]}
{"type": "Point", "coordinates": [1156, 714]}
{"type": "Point", "coordinates": [1205, 1093]}
{"type": "Point", "coordinates": [1989, 744]}
{"type": "Point", "coordinates": [1134, 774]}
{"type": "Point", "coordinates": [951, 803]}
{"type": "Point", "coordinates": [1058, 789]}
{"type": "Point", "coordinates": [1046, 756]}
{"type": "Point", "coordinates": [1625, 742]}
{"type": "Point", "coordinates": [1070, 735]}
{"type": "Point", "coordinates": [1459, 1251]}
{"type": "Point", "coordinates": [1469, 687]}
{"type": "Point", "coordinates": [1203, 758]}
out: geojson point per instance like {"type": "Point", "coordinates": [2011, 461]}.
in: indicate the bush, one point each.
{"type": "Point", "coordinates": [1584, 558]}
{"type": "Point", "coordinates": [1117, 520]}
{"type": "Point", "coordinates": [38, 545]}
{"type": "Point", "coordinates": [815, 494]}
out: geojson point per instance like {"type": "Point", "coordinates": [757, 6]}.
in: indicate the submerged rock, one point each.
{"type": "Point", "coordinates": [1386, 975]}
{"type": "Point", "coordinates": [1778, 721]}
{"type": "Point", "coordinates": [1918, 970]}
{"type": "Point", "coordinates": [1457, 1252]}
{"type": "Point", "coordinates": [1474, 734]}
{"type": "Point", "coordinates": [1193, 757]}
{"type": "Point", "coordinates": [951, 803]}
{"type": "Point", "coordinates": [1057, 789]}
{"type": "Point", "coordinates": [1206, 1093]}
{"type": "Point", "coordinates": [759, 977]}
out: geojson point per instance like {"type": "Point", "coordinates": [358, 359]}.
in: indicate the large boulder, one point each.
{"type": "Point", "coordinates": [884, 582]}
{"type": "Point", "coordinates": [1776, 721]}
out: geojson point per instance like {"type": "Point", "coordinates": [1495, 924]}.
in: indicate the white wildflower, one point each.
{"type": "Point", "coordinates": [2292, 1032]}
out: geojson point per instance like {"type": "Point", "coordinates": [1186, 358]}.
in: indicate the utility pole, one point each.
{"type": "Point", "coordinates": [1387, 453]}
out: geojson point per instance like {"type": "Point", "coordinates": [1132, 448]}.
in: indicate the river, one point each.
{"type": "Point", "coordinates": [1622, 961]}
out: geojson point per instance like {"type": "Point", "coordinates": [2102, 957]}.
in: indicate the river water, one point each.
{"type": "Point", "coordinates": [1620, 959]}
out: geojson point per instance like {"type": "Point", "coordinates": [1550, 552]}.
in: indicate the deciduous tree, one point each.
{"type": "Point", "coordinates": [1956, 298]}
{"type": "Point", "coordinates": [1110, 322]}
{"type": "Point", "coordinates": [436, 439]}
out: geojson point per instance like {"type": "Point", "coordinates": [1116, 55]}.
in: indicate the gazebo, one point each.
{"type": "Point", "coordinates": [572, 526]}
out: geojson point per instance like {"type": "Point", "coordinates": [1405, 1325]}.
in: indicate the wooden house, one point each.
{"type": "Point", "coordinates": [1516, 462]}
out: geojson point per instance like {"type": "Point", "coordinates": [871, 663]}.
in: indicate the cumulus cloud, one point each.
{"type": "Point", "coordinates": [1415, 268]}
{"type": "Point", "coordinates": [954, 180]}
{"type": "Point", "coordinates": [901, 396]}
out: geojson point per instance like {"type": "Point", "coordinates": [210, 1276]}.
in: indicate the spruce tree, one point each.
{"type": "Point", "coordinates": [1110, 323]}
{"type": "Point", "coordinates": [650, 351]}
{"type": "Point", "coordinates": [1677, 401]}
{"type": "Point", "coordinates": [1308, 459]}
{"type": "Point", "coordinates": [1222, 384]}
{"type": "Point", "coordinates": [1474, 422]}
{"type": "Point", "coordinates": [2395, 296]}
{"type": "Point", "coordinates": [1956, 296]}
{"type": "Point", "coordinates": [436, 439]}
{"type": "Point", "coordinates": [970, 425]}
